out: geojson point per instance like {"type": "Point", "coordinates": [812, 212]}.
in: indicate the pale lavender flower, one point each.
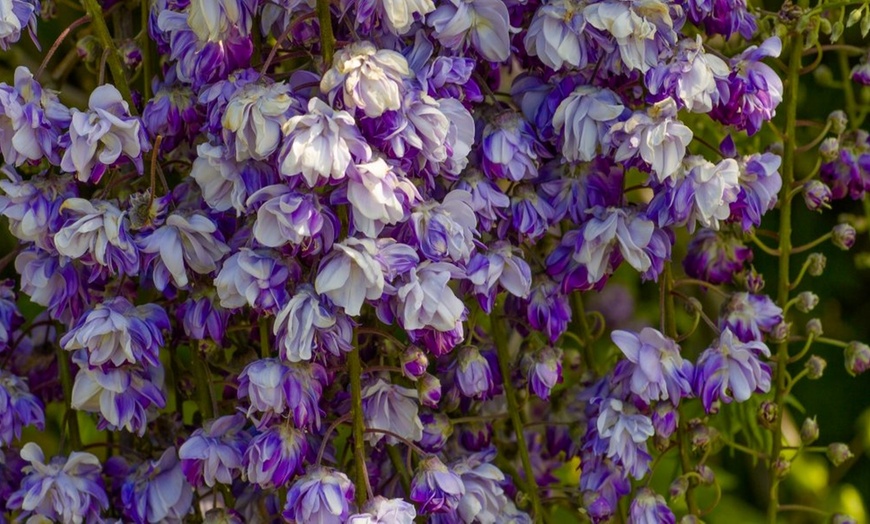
{"type": "Point", "coordinates": [370, 79]}
{"type": "Point", "coordinates": [15, 16]}
{"type": "Point", "coordinates": [487, 199]}
{"type": "Point", "coordinates": [321, 144]}
{"type": "Point", "coordinates": [184, 242]}
{"type": "Point", "coordinates": [54, 283]}
{"type": "Point", "coordinates": [690, 76]}
{"type": "Point", "coordinates": [760, 183]}
{"type": "Point", "coordinates": [380, 510]}
{"type": "Point", "coordinates": [275, 456]}
{"type": "Point", "coordinates": [426, 301]}
{"type": "Point", "coordinates": [32, 119]}
{"type": "Point", "coordinates": [648, 507]}
{"type": "Point", "coordinates": [715, 257]}
{"type": "Point", "coordinates": [543, 370]}
{"type": "Point", "coordinates": [502, 265]}
{"type": "Point", "coordinates": [394, 16]}
{"type": "Point", "coordinates": [254, 278]}
{"type": "Point", "coordinates": [560, 36]}
{"type": "Point", "coordinates": [474, 375]}
{"type": "Point", "coordinates": [731, 370]}
{"type": "Point", "coordinates": [750, 316]}
{"type": "Point", "coordinates": [603, 484]}
{"type": "Point", "coordinates": [435, 487]}
{"type": "Point", "coordinates": [156, 491]}
{"type": "Point", "coordinates": [379, 196]}
{"type": "Point", "coordinates": [305, 383]}
{"type": "Point", "coordinates": [624, 432]}
{"type": "Point", "coordinates": [202, 318]}
{"type": "Point", "coordinates": [219, 177]}
{"type": "Point", "coordinates": [213, 453]}
{"type": "Point", "coordinates": [656, 136]}
{"type": "Point", "coordinates": [392, 408]}
{"type": "Point", "coordinates": [484, 500]}
{"type": "Point", "coordinates": [657, 371]}
{"type": "Point", "coordinates": [308, 323]}
{"type": "Point", "coordinates": [97, 233]}
{"type": "Point", "coordinates": [510, 148]}
{"type": "Point", "coordinates": [99, 136]}
{"type": "Point", "coordinates": [286, 216]}
{"type": "Point", "coordinates": [212, 20]}
{"type": "Point", "coordinates": [642, 29]}
{"type": "Point", "coordinates": [33, 206]}
{"type": "Point", "coordinates": [583, 121]}
{"type": "Point", "coordinates": [116, 331]}
{"type": "Point", "coordinates": [531, 214]}
{"type": "Point", "coordinates": [64, 490]}
{"type": "Point", "coordinates": [253, 119]}
{"type": "Point", "coordinates": [437, 429]}
{"type": "Point", "coordinates": [323, 496]}
{"type": "Point", "coordinates": [446, 229]}
{"type": "Point", "coordinates": [10, 317]}
{"type": "Point", "coordinates": [612, 228]}
{"type": "Point", "coordinates": [125, 397]}
{"type": "Point", "coordinates": [665, 419]}
{"type": "Point", "coordinates": [548, 309]}
{"type": "Point", "coordinates": [482, 24]}
{"type": "Point", "coordinates": [18, 408]}
{"type": "Point", "coordinates": [173, 114]}
{"type": "Point", "coordinates": [266, 384]}
{"type": "Point", "coordinates": [724, 17]}
{"type": "Point", "coordinates": [350, 275]}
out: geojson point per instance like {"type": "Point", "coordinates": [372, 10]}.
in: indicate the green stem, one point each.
{"type": "Point", "coordinates": [790, 104]}
{"type": "Point", "coordinates": [585, 331]}
{"type": "Point", "coordinates": [203, 387]}
{"type": "Point", "coordinates": [848, 92]}
{"type": "Point", "coordinates": [327, 39]}
{"type": "Point", "coordinates": [98, 22]}
{"type": "Point", "coordinates": [354, 365]}
{"type": "Point", "coordinates": [265, 351]}
{"type": "Point", "coordinates": [71, 415]}
{"type": "Point", "coordinates": [499, 336]}
{"type": "Point", "coordinates": [396, 459]}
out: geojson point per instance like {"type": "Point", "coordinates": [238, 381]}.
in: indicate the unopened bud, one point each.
{"type": "Point", "coordinates": [807, 301]}
{"type": "Point", "coordinates": [700, 435]}
{"type": "Point", "coordinates": [414, 362]}
{"type": "Point", "coordinates": [839, 453]}
{"type": "Point", "coordinates": [781, 467]}
{"type": "Point", "coordinates": [780, 332]}
{"type": "Point", "coordinates": [678, 487]}
{"type": "Point", "coordinates": [817, 195]}
{"type": "Point", "coordinates": [706, 474]}
{"type": "Point", "coordinates": [768, 414]}
{"type": "Point", "coordinates": [816, 264]}
{"type": "Point", "coordinates": [754, 281]}
{"type": "Point", "coordinates": [815, 367]}
{"type": "Point", "coordinates": [844, 236]}
{"type": "Point", "coordinates": [838, 121]}
{"type": "Point", "coordinates": [809, 431]}
{"type": "Point", "coordinates": [429, 390]}
{"type": "Point", "coordinates": [857, 357]}
{"type": "Point", "coordinates": [829, 149]}
{"type": "Point", "coordinates": [89, 49]}
{"type": "Point", "coordinates": [840, 518]}
{"type": "Point", "coordinates": [814, 327]}
{"type": "Point", "coordinates": [823, 75]}
{"type": "Point", "coordinates": [691, 519]}
{"type": "Point", "coordinates": [131, 54]}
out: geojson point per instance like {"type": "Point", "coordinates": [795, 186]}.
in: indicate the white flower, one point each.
{"type": "Point", "coordinates": [427, 301]}
{"type": "Point", "coordinates": [392, 408]}
{"type": "Point", "coordinates": [584, 119]}
{"type": "Point", "coordinates": [219, 178]}
{"type": "Point", "coordinates": [253, 119]}
{"type": "Point", "coordinates": [610, 228]}
{"type": "Point", "coordinates": [374, 196]}
{"type": "Point", "coordinates": [350, 275]}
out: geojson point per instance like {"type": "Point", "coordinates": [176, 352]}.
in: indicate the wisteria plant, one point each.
{"type": "Point", "coordinates": [395, 261]}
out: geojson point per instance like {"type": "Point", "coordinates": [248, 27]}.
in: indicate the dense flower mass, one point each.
{"type": "Point", "coordinates": [377, 261]}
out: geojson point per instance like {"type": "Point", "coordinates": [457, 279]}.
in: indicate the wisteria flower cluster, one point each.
{"type": "Point", "coordinates": [371, 261]}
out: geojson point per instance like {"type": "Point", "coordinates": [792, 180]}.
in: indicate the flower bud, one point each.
{"type": "Point", "coordinates": [839, 453]}
{"type": "Point", "coordinates": [48, 10]}
{"type": "Point", "coordinates": [817, 195]}
{"type": "Point", "coordinates": [768, 413]}
{"type": "Point", "coordinates": [781, 467]}
{"type": "Point", "coordinates": [701, 436]}
{"type": "Point", "coordinates": [754, 281]}
{"type": "Point", "coordinates": [706, 474]}
{"type": "Point", "coordinates": [809, 431]}
{"type": "Point", "coordinates": [814, 327]}
{"type": "Point", "coordinates": [823, 75]}
{"type": "Point", "coordinates": [690, 519]}
{"type": "Point", "coordinates": [816, 367]}
{"type": "Point", "coordinates": [436, 430]}
{"type": "Point", "coordinates": [89, 49]}
{"type": "Point", "coordinates": [429, 390]}
{"type": "Point", "coordinates": [829, 149]}
{"type": "Point", "coordinates": [131, 54]}
{"type": "Point", "coordinates": [806, 301]}
{"type": "Point", "coordinates": [840, 518]}
{"type": "Point", "coordinates": [844, 236]}
{"type": "Point", "coordinates": [780, 332]}
{"type": "Point", "coordinates": [414, 362]}
{"type": "Point", "coordinates": [838, 121]}
{"type": "Point", "coordinates": [816, 264]}
{"type": "Point", "coordinates": [678, 487]}
{"type": "Point", "coordinates": [857, 357]}
{"type": "Point", "coordinates": [475, 436]}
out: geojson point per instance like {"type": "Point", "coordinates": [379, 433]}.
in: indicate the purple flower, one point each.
{"type": "Point", "coordinates": [548, 309]}
{"type": "Point", "coordinates": [18, 408]}
{"type": "Point", "coordinates": [473, 374]}
{"type": "Point", "coordinates": [116, 331]}
{"type": "Point", "coordinates": [202, 318]}
{"type": "Point", "coordinates": [572, 190]}
{"type": "Point", "coordinates": [657, 370]}
{"type": "Point", "coordinates": [173, 114]}
{"type": "Point", "coordinates": [750, 316]}
{"type": "Point", "coordinates": [642, 31]}
{"type": "Point", "coordinates": [253, 119]}
{"type": "Point", "coordinates": [648, 507]}
{"type": "Point", "coordinates": [99, 136]}
{"type": "Point", "coordinates": [429, 389]}
{"type": "Point", "coordinates": [183, 242]}
{"type": "Point", "coordinates": [484, 499]}
{"type": "Point", "coordinates": [510, 148]}
{"type": "Point", "coordinates": [125, 397]}
{"type": "Point", "coordinates": [321, 144]}
{"type": "Point", "coordinates": [583, 121]}
{"type": "Point", "coordinates": [392, 408]}
{"type": "Point", "coordinates": [690, 77]}
{"type": "Point", "coordinates": [435, 488]}
{"type": "Point", "coordinates": [224, 182]}
{"type": "Point", "coordinates": [254, 278]}
{"type": "Point", "coordinates": [426, 301]}
{"type": "Point", "coordinates": [501, 266]}
{"type": "Point", "coordinates": [543, 370]}
{"type": "Point", "coordinates": [750, 94]}
{"type": "Point", "coordinates": [156, 491]}
{"type": "Point", "coordinates": [760, 183]}
{"type": "Point", "coordinates": [380, 510]}
{"type": "Point", "coordinates": [308, 323]}
{"type": "Point", "coordinates": [847, 170]}
{"type": "Point", "coordinates": [65, 490]}
{"type": "Point", "coordinates": [531, 213]}
{"type": "Point", "coordinates": [446, 229]}
{"type": "Point", "coordinates": [560, 36]}
{"type": "Point", "coordinates": [97, 233]}
{"type": "Point", "coordinates": [371, 79]}
{"type": "Point", "coordinates": [32, 119]}
{"type": "Point", "coordinates": [265, 382]}
{"type": "Point", "coordinates": [275, 455]}
{"type": "Point", "coordinates": [323, 495]}
{"type": "Point", "coordinates": [487, 199]}
{"type": "Point", "coordinates": [213, 453]}
{"type": "Point", "coordinates": [603, 484]}
{"type": "Point", "coordinates": [52, 282]}
{"type": "Point", "coordinates": [393, 16]}
{"type": "Point", "coordinates": [10, 317]}
{"type": "Point", "coordinates": [305, 383]}
{"type": "Point", "coordinates": [656, 136]}
{"type": "Point", "coordinates": [715, 257]}
{"type": "Point", "coordinates": [299, 219]}
{"type": "Point", "coordinates": [607, 230]}
{"type": "Point", "coordinates": [623, 433]}
{"type": "Point", "coordinates": [724, 17]}
{"type": "Point", "coordinates": [16, 15]}
{"type": "Point", "coordinates": [665, 418]}
{"type": "Point", "coordinates": [483, 24]}
{"type": "Point", "coordinates": [33, 206]}
{"type": "Point", "coordinates": [731, 369]}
